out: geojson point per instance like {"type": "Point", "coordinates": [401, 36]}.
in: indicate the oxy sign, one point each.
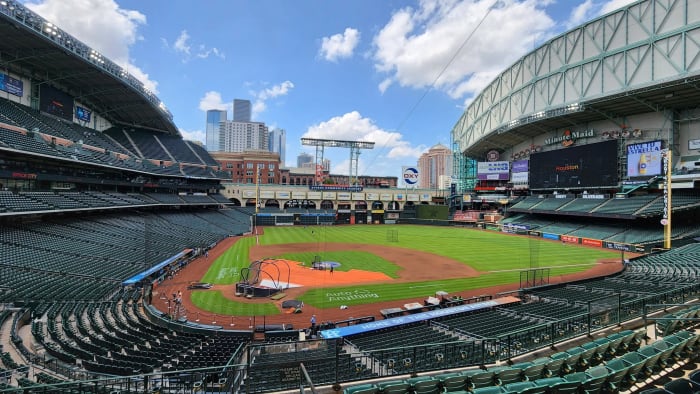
{"type": "Point", "coordinates": [411, 176]}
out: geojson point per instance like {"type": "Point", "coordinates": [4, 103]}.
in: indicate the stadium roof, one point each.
{"type": "Point", "coordinates": [674, 96]}
{"type": "Point", "coordinates": [33, 47]}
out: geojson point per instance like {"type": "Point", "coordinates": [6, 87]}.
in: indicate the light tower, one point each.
{"type": "Point", "coordinates": [354, 146]}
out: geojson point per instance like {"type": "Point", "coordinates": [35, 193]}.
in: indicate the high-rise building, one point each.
{"type": "Point", "coordinates": [213, 129]}
{"type": "Point", "coordinates": [304, 158]}
{"type": "Point", "coordinates": [278, 142]}
{"type": "Point", "coordinates": [243, 136]}
{"type": "Point", "coordinates": [433, 163]}
{"type": "Point", "coordinates": [241, 110]}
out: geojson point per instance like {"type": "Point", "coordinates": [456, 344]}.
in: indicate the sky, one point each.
{"type": "Point", "coordinates": [396, 72]}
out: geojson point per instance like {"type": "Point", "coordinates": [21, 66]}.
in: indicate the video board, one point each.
{"type": "Point", "coordinates": [493, 170]}
{"type": "Point", "coordinates": [592, 165]}
{"type": "Point", "coordinates": [55, 102]}
{"type": "Point", "coordinates": [11, 85]}
{"type": "Point", "coordinates": [82, 114]}
{"type": "Point", "coordinates": [644, 159]}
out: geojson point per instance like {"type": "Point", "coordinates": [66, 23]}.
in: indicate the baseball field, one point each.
{"type": "Point", "coordinates": [375, 266]}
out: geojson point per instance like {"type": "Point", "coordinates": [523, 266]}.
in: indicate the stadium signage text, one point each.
{"type": "Point", "coordinates": [351, 295]}
{"type": "Point", "coordinates": [569, 137]}
{"type": "Point", "coordinates": [618, 246]}
{"type": "Point", "coordinates": [569, 239]}
{"type": "Point", "coordinates": [591, 242]}
{"type": "Point", "coordinates": [336, 187]}
{"type": "Point", "coordinates": [23, 175]}
{"type": "Point", "coordinates": [11, 85]}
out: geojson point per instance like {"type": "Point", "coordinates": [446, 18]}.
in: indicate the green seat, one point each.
{"type": "Point", "coordinates": [636, 364]}
{"type": "Point", "coordinates": [520, 388]}
{"type": "Point", "coordinates": [453, 382]}
{"type": "Point", "coordinates": [361, 389]}
{"type": "Point", "coordinates": [596, 378]}
{"type": "Point", "coordinates": [394, 387]}
{"type": "Point", "coordinates": [535, 369]}
{"type": "Point", "coordinates": [652, 355]}
{"type": "Point", "coordinates": [488, 390]}
{"type": "Point", "coordinates": [478, 378]}
{"type": "Point", "coordinates": [424, 385]}
{"type": "Point", "coordinates": [557, 364]}
{"type": "Point", "coordinates": [618, 370]}
{"type": "Point", "coordinates": [575, 361]}
{"type": "Point", "coordinates": [508, 375]}
{"type": "Point", "coordinates": [572, 383]}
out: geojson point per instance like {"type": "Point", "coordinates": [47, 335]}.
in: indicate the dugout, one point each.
{"type": "Point", "coordinates": [378, 216]}
{"type": "Point", "coordinates": [344, 216]}
{"type": "Point", "coordinates": [360, 216]}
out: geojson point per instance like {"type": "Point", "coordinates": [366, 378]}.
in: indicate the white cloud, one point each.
{"type": "Point", "coordinates": [262, 96]}
{"type": "Point", "coordinates": [206, 52]}
{"type": "Point", "coordinates": [384, 85]}
{"type": "Point", "coordinates": [193, 135]}
{"type": "Point", "coordinates": [417, 43]}
{"type": "Point", "coordinates": [212, 100]}
{"type": "Point", "coordinates": [612, 5]}
{"type": "Point", "coordinates": [353, 127]}
{"type": "Point", "coordinates": [590, 9]}
{"type": "Point", "coordinates": [339, 46]}
{"type": "Point", "coordinates": [183, 46]}
{"type": "Point", "coordinates": [101, 24]}
{"type": "Point", "coordinates": [181, 43]}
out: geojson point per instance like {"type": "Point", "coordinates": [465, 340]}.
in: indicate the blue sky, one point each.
{"type": "Point", "coordinates": [398, 73]}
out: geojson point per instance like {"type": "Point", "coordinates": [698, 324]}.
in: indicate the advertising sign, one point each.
{"type": "Point", "coordinates": [328, 195]}
{"type": "Point", "coordinates": [344, 196]}
{"type": "Point", "coordinates": [644, 159]}
{"type": "Point", "coordinates": [372, 196]}
{"type": "Point", "coordinates": [520, 166]}
{"type": "Point", "coordinates": [299, 195]}
{"type": "Point", "coordinates": [591, 242]}
{"type": "Point", "coordinates": [411, 176]}
{"type": "Point", "coordinates": [385, 197]}
{"type": "Point", "coordinates": [569, 239]}
{"type": "Point", "coordinates": [358, 196]}
{"type": "Point", "coordinates": [82, 114]}
{"type": "Point", "coordinates": [314, 195]}
{"type": "Point", "coordinates": [493, 170]}
{"type": "Point", "coordinates": [519, 177]}
{"type": "Point", "coordinates": [283, 195]}
{"type": "Point", "coordinates": [11, 85]}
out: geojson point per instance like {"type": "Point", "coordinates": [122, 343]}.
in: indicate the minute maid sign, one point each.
{"type": "Point", "coordinates": [568, 137]}
{"type": "Point", "coordinates": [411, 176]}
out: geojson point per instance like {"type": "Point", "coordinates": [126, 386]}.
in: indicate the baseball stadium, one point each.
{"type": "Point", "coordinates": [565, 258]}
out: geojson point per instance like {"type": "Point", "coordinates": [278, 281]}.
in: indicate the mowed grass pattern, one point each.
{"type": "Point", "coordinates": [498, 256]}
{"type": "Point", "coordinates": [481, 249]}
{"type": "Point", "coordinates": [348, 259]}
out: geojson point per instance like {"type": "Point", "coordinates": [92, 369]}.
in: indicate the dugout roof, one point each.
{"type": "Point", "coordinates": [34, 48]}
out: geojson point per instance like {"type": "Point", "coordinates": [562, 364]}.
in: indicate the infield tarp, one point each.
{"type": "Point", "coordinates": [341, 332]}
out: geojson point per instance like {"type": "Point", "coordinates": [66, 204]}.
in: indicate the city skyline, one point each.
{"type": "Point", "coordinates": [400, 75]}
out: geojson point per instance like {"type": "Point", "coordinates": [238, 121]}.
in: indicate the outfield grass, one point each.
{"type": "Point", "coordinates": [499, 256]}
{"type": "Point", "coordinates": [481, 249]}
{"type": "Point", "coordinates": [213, 301]}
